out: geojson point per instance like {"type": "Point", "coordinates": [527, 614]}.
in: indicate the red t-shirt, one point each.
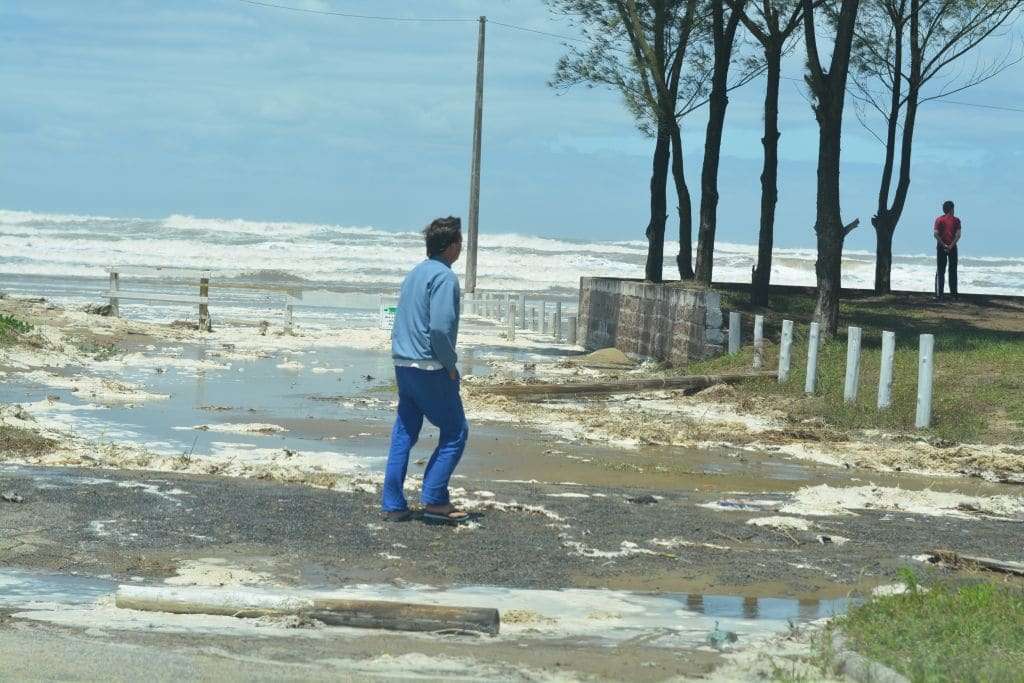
{"type": "Point", "coordinates": [947, 227]}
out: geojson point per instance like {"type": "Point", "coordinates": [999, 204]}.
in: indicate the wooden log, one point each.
{"type": "Point", "coordinates": [204, 309]}
{"type": "Point", "coordinates": [955, 560]}
{"type": "Point", "coordinates": [115, 301]}
{"type": "Point", "coordinates": [687, 382]}
{"type": "Point", "coordinates": [511, 323]}
{"type": "Point", "coordinates": [572, 330]}
{"type": "Point", "coordinates": [521, 310]}
{"type": "Point", "coordinates": [556, 322]}
{"type": "Point", "coordinates": [376, 614]}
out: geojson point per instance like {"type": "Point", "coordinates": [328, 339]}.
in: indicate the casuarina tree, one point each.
{"type": "Point", "coordinates": [725, 17]}
{"type": "Point", "coordinates": [641, 48]}
{"type": "Point", "coordinates": [772, 23]}
{"type": "Point", "coordinates": [828, 90]}
{"type": "Point", "coordinates": [900, 47]}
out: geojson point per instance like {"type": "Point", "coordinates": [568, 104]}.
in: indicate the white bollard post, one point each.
{"type": "Point", "coordinates": [508, 307]}
{"type": "Point", "coordinates": [785, 349]}
{"type": "Point", "coordinates": [543, 317]}
{"type": "Point", "coordinates": [813, 344]}
{"type": "Point", "coordinates": [556, 322]}
{"type": "Point", "coordinates": [734, 332]}
{"type": "Point", "coordinates": [533, 319]}
{"type": "Point", "coordinates": [572, 330]}
{"type": "Point", "coordinates": [925, 370]}
{"type": "Point", "coordinates": [758, 342]}
{"type": "Point", "coordinates": [885, 375]}
{"type": "Point", "coordinates": [511, 322]}
{"type": "Point", "coordinates": [522, 311]}
{"type": "Point", "coordinates": [852, 364]}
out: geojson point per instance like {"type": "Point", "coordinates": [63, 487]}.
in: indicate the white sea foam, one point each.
{"type": "Point", "coordinates": [46, 245]}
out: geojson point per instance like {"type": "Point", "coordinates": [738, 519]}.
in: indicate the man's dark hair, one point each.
{"type": "Point", "coordinates": [947, 206]}
{"type": "Point", "coordinates": [442, 233]}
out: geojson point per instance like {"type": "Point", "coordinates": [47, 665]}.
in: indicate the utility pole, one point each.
{"type": "Point", "coordinates": [474, 180]}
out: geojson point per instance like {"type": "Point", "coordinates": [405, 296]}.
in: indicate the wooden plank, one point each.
{"type": "Point", "coordinates": [687, 382]}
{"type": "Point", "coordinates": [157, 296]}
{"type": "Point", "coordinates": [376, 614]}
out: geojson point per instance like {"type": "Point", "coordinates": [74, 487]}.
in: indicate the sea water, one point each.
{"type": "Point", "coordinates": [65, 257]}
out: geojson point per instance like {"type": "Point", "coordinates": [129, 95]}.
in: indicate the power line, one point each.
{"type": "Point", "coordinates": [350, 15]}
{"type": "Point", "coordinates": [525, 29]}
{"type": "Point", "coordinates": [979, 105]}
{"type": "Point", "coordinates": [374, 17]}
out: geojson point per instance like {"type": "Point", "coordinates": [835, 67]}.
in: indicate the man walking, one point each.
{"type": "Point", "coordinates": [423, 348]}
{"type": "Point", "coordinates": [947, 234]}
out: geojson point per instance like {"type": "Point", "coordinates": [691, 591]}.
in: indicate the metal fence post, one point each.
{"type": "Point", "coordinates": [853, 335]}
{"type": "Point", "coordinates": [885, 375]}
{"type": "Point", "coordinates": [813, 344]}
{"type": "Point", "coordinates": [925, 373]}
{"type": "Point", "coordinates": [758, 342]}
{"type": "Point", "coordinates": [785, 348]}
{"type": "Point", "coordinates": [734, 332]}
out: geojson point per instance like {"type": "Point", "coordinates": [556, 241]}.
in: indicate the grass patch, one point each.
{"type": "Point", "coordinates": [96, 350]}
{"type": "Point", "coordinates": [17, 441]}
{"type": "Point", "coordinates": [11, 329]}
{"type": "Point", "coordinates": [979, 365]}
{"type": "Point", "coordinates": [951, 632]}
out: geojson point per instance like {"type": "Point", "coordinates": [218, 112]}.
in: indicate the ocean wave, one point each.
{"type": "Point", "coordinates": [68, 245]}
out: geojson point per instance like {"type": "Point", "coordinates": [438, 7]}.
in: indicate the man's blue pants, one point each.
{"type": "Point", "coordinates": [434, 395]}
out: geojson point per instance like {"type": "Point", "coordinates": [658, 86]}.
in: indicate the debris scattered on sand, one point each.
{"type": "Point", "coordinates": [234, 428]}
{"type": "Point", "coordinates": [825, 500]}
{"type": "Point", "coordinates": [215, 571]}
{"type": "Point", "coordinates": [781, 523]}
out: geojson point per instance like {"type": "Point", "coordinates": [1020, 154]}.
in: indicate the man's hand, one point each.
{"type": "Point", "coordinates": [454, 374]}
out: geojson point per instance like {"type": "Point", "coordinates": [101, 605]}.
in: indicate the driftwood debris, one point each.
{"type": "Point", "coordinates": [693, 382]}
{"type": "Point", "coordinates": [954, 559]}
{"type": "Point", "coordinates": [393, 616]}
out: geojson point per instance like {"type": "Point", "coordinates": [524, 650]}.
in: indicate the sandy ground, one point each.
{"type": "Point", "coordinates": [665, 493]}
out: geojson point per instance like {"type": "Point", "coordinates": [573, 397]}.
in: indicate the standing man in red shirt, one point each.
{"type": "Point", "coordinates": [947, 234]}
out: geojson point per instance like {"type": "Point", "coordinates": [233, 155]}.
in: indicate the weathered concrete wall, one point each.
{"type": "Point", "coordinates": [667, 322]}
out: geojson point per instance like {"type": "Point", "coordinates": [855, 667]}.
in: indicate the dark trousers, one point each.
{"type": "Point", "coordinates": [942, 257]}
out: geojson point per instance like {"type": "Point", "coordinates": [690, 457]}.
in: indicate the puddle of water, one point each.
{"type": "Point", "coordinates": [584, 615]}
{"type": "Point", "coordinates": [20, 589]}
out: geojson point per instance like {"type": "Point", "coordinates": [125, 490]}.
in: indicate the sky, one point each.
{"type": "Point", "coordinates": [219, 108]}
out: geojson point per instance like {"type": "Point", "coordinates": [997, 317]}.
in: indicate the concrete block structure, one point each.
{"type": "Point", "coordinates": [673, 322]}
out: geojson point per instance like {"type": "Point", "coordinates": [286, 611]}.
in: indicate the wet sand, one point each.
{"type": "Point", "coordinates": [552, 511]}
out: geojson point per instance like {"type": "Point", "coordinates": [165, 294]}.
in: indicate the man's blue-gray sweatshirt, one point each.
{"type": "Point", "coordinates": [427, 321]}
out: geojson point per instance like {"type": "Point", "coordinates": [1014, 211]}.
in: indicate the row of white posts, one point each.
{"type": "Point", "coordinates": [925, 371]}
{"type": "Point", "coordinates": [512, 311]}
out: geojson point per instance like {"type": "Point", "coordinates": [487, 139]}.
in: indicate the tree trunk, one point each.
{"type": "Point", "coordinates": [724, 35]}
{"type": "Point", "coordinates": [761, 277]}
{"type": "Point", "coordinates": [684, 260]}
{"type": "Point", "coordinates": [656, 227]}
{"type": "Point", "coordinates": [829, 224]}
{"type": "Point", "coordinates": [885, 226]}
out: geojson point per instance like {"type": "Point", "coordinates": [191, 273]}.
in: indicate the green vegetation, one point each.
{"type": "Point", "coordinates": [979, 364]}
{"type": "Point", "coordinates": [11, 328]}
{"type": "Point", "coordinates": [95, 349]}
{"type": "Point", "coordinates": [965, 632]}
{"type": "Point", "coordinates": [17, 441]}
